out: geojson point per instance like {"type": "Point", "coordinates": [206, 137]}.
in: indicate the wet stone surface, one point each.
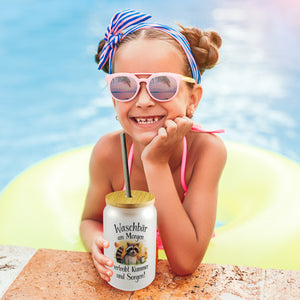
{"type": "Point", "coordinates": [12, 261]}
{"type": "Point", "coordinates": [53, 274]}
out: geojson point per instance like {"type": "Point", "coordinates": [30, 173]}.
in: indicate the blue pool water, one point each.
{"type": "Point", "coordinates": [53, 98]}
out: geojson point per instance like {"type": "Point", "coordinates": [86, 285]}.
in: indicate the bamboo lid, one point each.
{"type": "Point", "coordinates": [138, 199]}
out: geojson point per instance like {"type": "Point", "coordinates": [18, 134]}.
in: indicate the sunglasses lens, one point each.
{"type": "Point", "coordinates": [163, 87]}
{"type": "Point", "coordinates": [123, 88]}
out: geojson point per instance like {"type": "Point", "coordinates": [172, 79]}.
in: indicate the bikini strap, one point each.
{"type": "Point", "coordinates": [183, 165]}
{"type": "Point", "coordinates": [197, 128]}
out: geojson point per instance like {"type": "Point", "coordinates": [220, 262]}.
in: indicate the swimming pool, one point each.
{"type": "Point", "coordinates": [53, 98]}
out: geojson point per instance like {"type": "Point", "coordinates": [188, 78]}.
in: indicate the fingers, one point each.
{"type": "Point", "coordinates": [171, 127]}
{"type": "Point", "coordinates": [101, 243]}
{"type": "Point", "coordinates": [100, 260]}
{"type": "Point", "coordinates": [168, 137]}
{"type": "Point", "coordinates": [174, 130]}
{"type": "Point", "coordinates": [162, 132]}
{"type": "Point", "coordinates": [104, 273]}
{"type": "Point", "coordinates": [179, 126]}
{"type": "Point", "coordinates": [184, 122]}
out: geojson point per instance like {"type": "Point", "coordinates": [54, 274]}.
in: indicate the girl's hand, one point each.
{"type": "Point", "coordinates": [100, 260]}
{"type": "Point", "coordinates": [160, 149]}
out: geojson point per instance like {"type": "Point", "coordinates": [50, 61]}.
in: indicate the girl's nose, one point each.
{"type": "Point", "coordinates": [144, 100]}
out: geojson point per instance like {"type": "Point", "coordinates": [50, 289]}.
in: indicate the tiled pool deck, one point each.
{"type": "Point", "coordinates": [55, 274]}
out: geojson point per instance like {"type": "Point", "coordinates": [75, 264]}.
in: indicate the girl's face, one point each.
{"type": "Point", "coordinates": [143, 116]}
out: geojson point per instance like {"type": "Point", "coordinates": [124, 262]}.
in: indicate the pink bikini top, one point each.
{"type": "Point", "coordinates": [197, 128]}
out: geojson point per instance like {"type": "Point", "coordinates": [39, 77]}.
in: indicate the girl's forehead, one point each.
{"type": "Point", "coordinates": [145, 45]}
{"type": "Point", "coordinates": [148, 56]}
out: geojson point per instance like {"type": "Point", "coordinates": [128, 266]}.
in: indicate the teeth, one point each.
{"type": "Point", "coordinates": [147, 120]}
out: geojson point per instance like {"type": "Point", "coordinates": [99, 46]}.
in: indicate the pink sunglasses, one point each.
{"type": "Point", "coordinates": [161, 86]}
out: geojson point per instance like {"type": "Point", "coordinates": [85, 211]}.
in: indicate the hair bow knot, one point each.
{"type": "Point", "coordinates": [112, 40]}
{"type": "Point", "coordinates": [113, 35]}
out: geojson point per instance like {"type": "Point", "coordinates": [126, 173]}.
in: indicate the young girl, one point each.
{"type": "Point", "coordinates": [154, 81]}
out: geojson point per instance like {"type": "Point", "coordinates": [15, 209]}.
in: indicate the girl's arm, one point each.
{"type": "Point", "coordinates": [91, 227]}
{"type": "Point", "coordinates": [187, 229]}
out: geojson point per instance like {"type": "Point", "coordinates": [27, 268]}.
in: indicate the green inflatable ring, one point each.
{"type": "Point", "coordinates": [259, 204]}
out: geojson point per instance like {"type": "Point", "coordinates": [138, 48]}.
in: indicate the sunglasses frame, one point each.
{"type": "Point", "coordinates": [178, 78]}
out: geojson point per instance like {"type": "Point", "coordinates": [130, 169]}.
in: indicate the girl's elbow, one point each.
{"type": "Point", "coordinates": [184, 271]}
{"type": "Point", "coordinates": [186, 267]}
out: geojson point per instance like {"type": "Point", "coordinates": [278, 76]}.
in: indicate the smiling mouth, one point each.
{"type": "Point", "coordinates": [148, 120]}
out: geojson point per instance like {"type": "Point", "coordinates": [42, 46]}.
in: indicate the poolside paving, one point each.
{"type": "Point", "coordinates": [57, 274]}
{"type": "Point", "coordinates": [12, 261]}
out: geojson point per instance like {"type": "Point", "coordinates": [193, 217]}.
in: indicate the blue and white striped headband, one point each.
{"type": "Point", "coordinates": [135, 20]}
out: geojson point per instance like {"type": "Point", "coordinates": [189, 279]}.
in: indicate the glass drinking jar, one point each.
{"type": "Point", "coordinates": [129, 225]}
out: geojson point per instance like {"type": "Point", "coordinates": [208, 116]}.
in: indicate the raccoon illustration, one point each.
{"type": "Point", "coordinates": [131, 254]}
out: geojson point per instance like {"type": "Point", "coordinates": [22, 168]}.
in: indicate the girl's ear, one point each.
{"type": "Point", "coordinates": [115, 107]}
{"type": "Point", "coordinates": [195, 97]}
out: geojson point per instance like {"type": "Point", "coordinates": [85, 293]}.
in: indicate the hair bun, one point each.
{"type": "Point", "coordinates": [98, 54]}
{"type": "Point", "coordinates": [204, 46]}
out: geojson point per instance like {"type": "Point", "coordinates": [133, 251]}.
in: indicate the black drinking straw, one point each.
{"type": "Point", "coordinates": [125, 165]}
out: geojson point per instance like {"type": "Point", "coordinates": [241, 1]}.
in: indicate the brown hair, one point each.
{"type": "Point", "coordinates": [204, 45]}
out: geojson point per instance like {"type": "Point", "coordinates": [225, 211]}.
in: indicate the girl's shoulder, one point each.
{"type": "Point", "coordinates": [109, 138]}
{"type": "Point", "coordinates": [107, 147]}
{"type": "Point", "coordinates": [203, 145]}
